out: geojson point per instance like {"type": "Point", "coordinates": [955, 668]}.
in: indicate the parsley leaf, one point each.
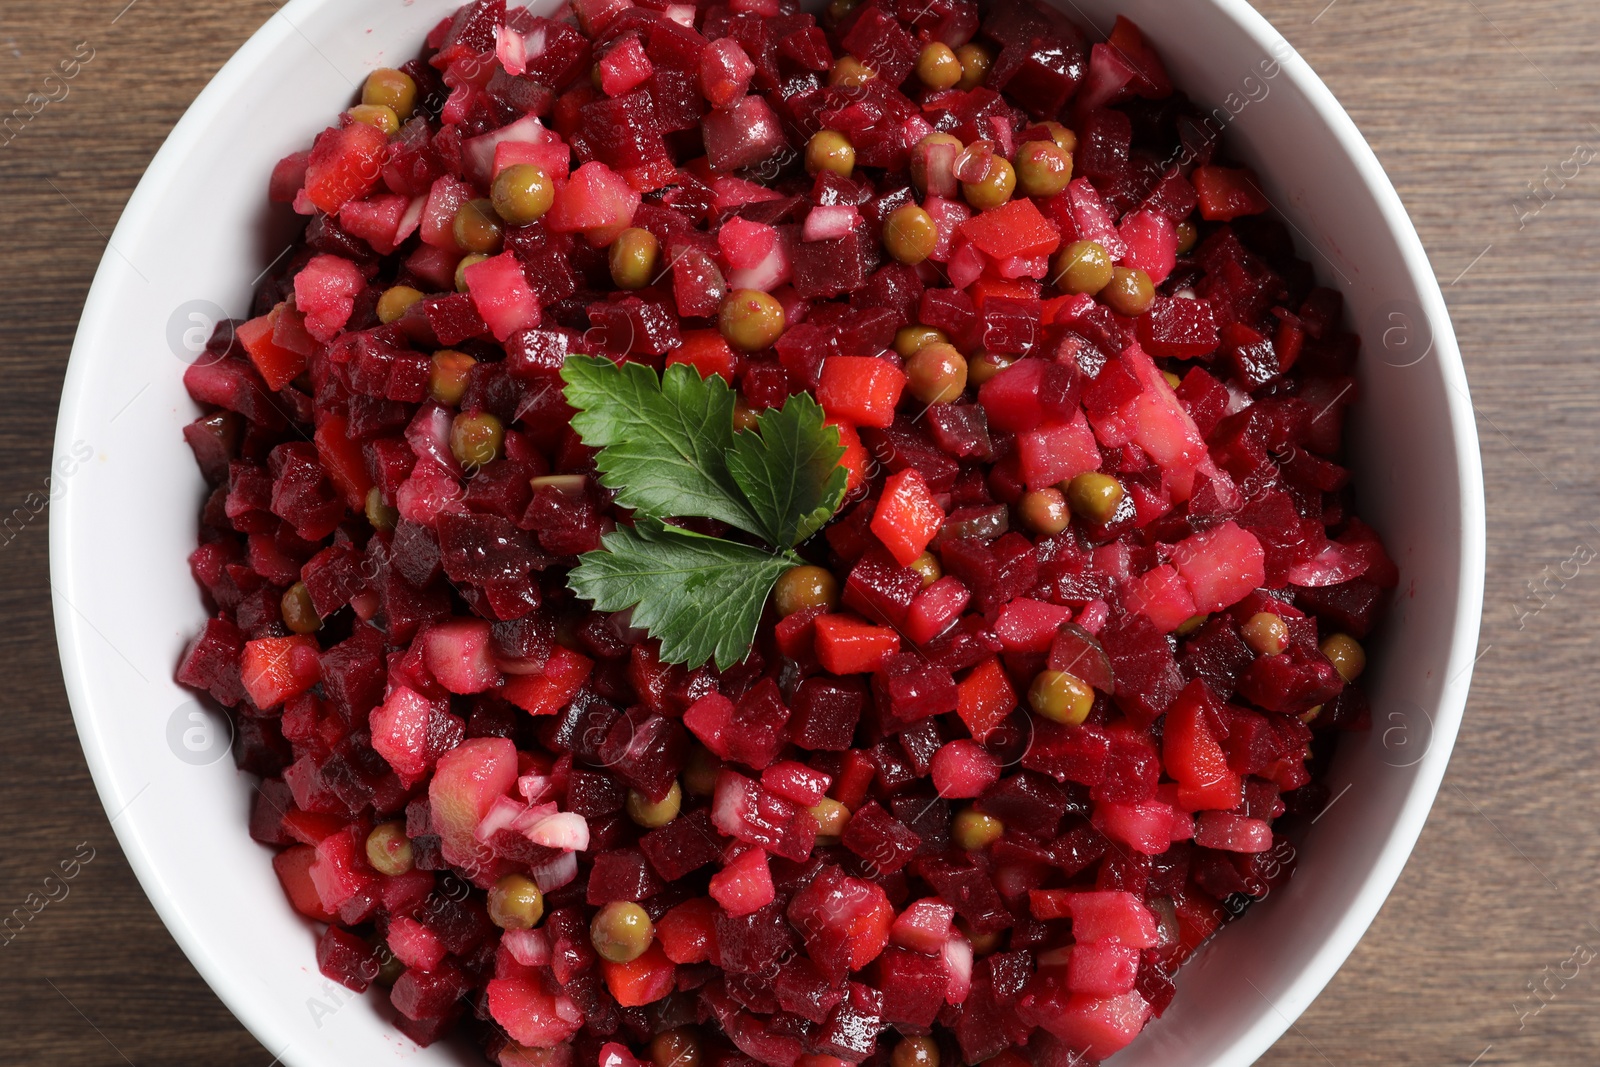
{"type": "Point", "coordinates": [790, 471]}
{"type": "Point", "coordinates": [663, 441]}
{"type": "Point", "coordinates": [701, 596]}
{"type": "Point", "coordinates": [667, 446]}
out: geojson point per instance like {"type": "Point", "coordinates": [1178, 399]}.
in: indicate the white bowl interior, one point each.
{"type": "Point", "coordinates": [126, 604]}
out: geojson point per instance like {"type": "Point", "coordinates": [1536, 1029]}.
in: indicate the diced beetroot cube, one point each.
{"type": "Point", "coordinates": [684, 845]}
{"type": "Point", "coordinates": [750, 731]}
{"type": "Point", "coordinates": [913, 986]}
{"type": "Point", "coordinates": [743, 810]}
{"type": "Point", "coordinates": [725, 72]}
{"type": "Point", "coordinates": [1290, 683]}
{"type": "Point", "coordinates": [923, 926]}
{"type": "Point", "coordinates": [997, 572]}
{"type": "Point", "coordinates": [825, 713]}
{"type": "Point", "coordinates": [884, 842]}
{"type": "Point", "coordinates": [1179, 328]}
{"type": "Point", "coordinates": [964, 769]}
{"type": "Point", "coordinates": [465, 783]}
{"type": "Point", "coordinates": [834, 267]}
{"type": "Point", "coordinates": [880, 42]}
{"type": "Point", "coordinates": [621, 874]}
{"type": "Point", "coordinates": [273, 669]}
{"type": "Point", "coordinates": [908, 688]}
{"type": "Point", "coordinates": [745, 885]}
{"type": "Point", "coordinates": [1012, 399]}
{"type": "Point", "coordinates": [742, 134]}
{"type": "Point", "coordinates": [344, 165]}
{"type": "Point", "coordinates": [844, 921]}
{"type": "Point", "coordinates": [796, 782]}
{"type": "Point", "coordinates": [1162, 596]}
{"type": "Point", "coordinates": [753, 944]}
{"type": "Point", "coordinates": [1145, 668]}
{"type": "Point", "coordinates": [530, 1015]}
{"type": "Point", "coordinates": [968, 888]}
{"type": "Point", "coordinates": [1026, 625]}
{"type": "Point", "coordinates": [502, 296]}
{"type": "Point", "coordinates": [935, 609]}
{"type": "Point", "coordinates": [345, 958]}
{"type": "Point", "coordinates": [802, 990]}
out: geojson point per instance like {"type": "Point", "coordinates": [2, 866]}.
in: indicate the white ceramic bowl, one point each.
{"type": "Point", "coordinates": [195, 235]}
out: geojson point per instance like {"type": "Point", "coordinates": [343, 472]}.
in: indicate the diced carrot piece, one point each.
{"type": "Point", "coordinates": [548, 693]}
{"type": "Point", "coordinates": [985, 697]}
{"type": "Point", "coordinates": [907, 517]}
{"type": "Point", "coordinates": [849, 645]}
{"type": "Point", "coordinates": [641, 981]}
{"type": "Point", "coordinates": [860, 390]}
{"type": "Point", "coordinates": [278, 366]}
{"type": "Point", "coordinates": [707, 352]}
{"type": "Point", "coordinates": [342, 458]}
{"type": "Point", "coordinates": [293, 868]}
{"type": "Point", "coordinates": [1226, 193]}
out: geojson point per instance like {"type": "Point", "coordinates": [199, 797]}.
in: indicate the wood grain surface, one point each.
{"type": "Point", "coordinates": [1467, 102]}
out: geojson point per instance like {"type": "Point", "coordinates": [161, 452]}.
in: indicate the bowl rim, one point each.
{"type": "Point", "coordinates": [270, 1028]}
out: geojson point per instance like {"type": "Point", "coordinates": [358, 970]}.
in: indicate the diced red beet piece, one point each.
{"type": "Point", "coordinates": [881, 840]}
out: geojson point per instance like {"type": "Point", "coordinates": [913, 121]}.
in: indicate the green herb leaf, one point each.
{"type": "Point", "coordinates": [663, 441]}
{"type": "Point", "coordinates": [790, 471]}
{"type": "Point", "coordinates": [700, 596]}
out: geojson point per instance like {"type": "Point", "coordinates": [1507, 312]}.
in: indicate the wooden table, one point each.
{"type": "Point", "coordinates": [1467, 102]}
